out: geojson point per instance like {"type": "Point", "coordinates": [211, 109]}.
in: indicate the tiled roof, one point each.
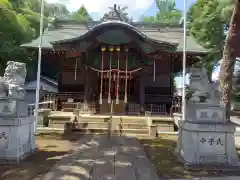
{"type": "Point", "coordinates": [69, 30]}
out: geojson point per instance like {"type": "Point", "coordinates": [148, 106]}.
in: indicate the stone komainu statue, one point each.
{"type": "Point", "coordinates": [11, 84]}
{"type": "Point", "coordinates": [201, 89]}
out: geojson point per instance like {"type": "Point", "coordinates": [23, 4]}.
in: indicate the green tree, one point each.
{"type": "Point", "coordinates": [148, 19]}
{"type": "Point", "coordinates": [207, 23]}
{"type": "Point", "coordinates": [167, 11]}
{"type": "Point", "coordinates": [14, 30]}
{"type": "Point", "coordinates": [20, 21]}
{"type": "Point", "coordinates": [81, 15]}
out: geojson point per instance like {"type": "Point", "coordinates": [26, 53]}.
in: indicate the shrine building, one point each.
{"type": "Point", "coordinates": [131, 65]}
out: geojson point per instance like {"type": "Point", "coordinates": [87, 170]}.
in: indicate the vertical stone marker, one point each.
{"type": "Point", "coordinates": [16, 127]}
{"type": "Point", "coordinates": [206, 137]}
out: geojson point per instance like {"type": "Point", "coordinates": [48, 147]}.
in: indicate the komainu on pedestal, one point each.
{"type": "Point", "coordinates": [206, 137]}
{"type": "Point", "coordinates": [16, 127]}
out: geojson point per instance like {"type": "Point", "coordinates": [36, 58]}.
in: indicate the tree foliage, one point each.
{"type": "Point", "coordinates": [167, 13]}
{"type": "Point", "coordinates": [81, 15]}
{"type": "Point", "coordinates": [207, 22]}
{"type": "Point", "coordinates": [14, 29]}
{"type": "Point", "coordinates": [20, 20]}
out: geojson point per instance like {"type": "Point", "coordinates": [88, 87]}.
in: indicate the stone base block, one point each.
{"type": "Point", "coordinates": [207, 144]}
{"type": "Point", "coordinates": [13, 108]}
{"type": "Point", "coordinates": [205, 113]}
{"type": "Point", "coordinates": [17, 140]}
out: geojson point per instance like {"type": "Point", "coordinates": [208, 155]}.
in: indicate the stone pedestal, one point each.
{"type": "Point", "coordinates": [13, 108]}
{"type": "Point", "coordinates": [206, 138]}
{"type": "Point", "coordinates": [16, 127]}
{"type": "Point", "coordinates": [16, 130]}
{"type": "Point", "coordinates": [16, 139]}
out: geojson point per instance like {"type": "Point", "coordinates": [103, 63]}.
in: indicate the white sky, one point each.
{"type": "Point", "coordinates": [101, 6]}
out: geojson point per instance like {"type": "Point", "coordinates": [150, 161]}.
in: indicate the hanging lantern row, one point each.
{"type": "Point", "coordinates": [112, 49]}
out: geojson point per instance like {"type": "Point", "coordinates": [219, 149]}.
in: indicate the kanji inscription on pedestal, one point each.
{"type": "Point", "coordinates": [213, 143]}
{"type": "Point", "coordinates": [209, 114]}
{"type": "Point", "coordinates": [3, 139]}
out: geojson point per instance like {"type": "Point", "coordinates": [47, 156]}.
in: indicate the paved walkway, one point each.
{"type": "Point", "coordinates": [98, 158]}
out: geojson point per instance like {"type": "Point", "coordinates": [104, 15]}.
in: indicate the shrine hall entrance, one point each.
{"type": "Point", "coordinates": [120, 86]}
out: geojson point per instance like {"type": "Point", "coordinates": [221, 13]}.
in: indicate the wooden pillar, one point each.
{"type": "Point", "coordinates": [61, 69]}
{"type": "Point", "coordinates": [171, 74]}
{"type": "Point", "coordinates": [142, 92]}
{"type": "Point", "coordinates": [86, 85]}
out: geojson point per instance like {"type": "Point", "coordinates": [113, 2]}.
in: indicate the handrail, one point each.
{"type": "Point", "coordinates": [31, 107]}
{"type": "Point", "coordinates": [45, 102]}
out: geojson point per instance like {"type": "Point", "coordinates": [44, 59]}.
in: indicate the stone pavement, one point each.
{"type": "Point", "coordinates": [215, 178]}
{"type": "Point", "coordinates": [100, 158]}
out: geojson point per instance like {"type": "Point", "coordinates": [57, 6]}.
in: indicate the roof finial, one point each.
{"type": "Point", "coordinates": [117, 12]}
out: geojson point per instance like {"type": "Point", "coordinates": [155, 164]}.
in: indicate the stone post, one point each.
{"type": "Point", "coordinates": [206, 137]}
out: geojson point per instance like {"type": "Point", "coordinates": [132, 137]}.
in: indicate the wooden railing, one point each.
{"type": "Point", "coordinates": [62, 97]}
{"type": "Point", "coordinates": [77, 96]}
{"type": "Point", "coordinates": [133, 109]}
{"type": "Point", "coordinates": [156, 108]}
{"type": "Point", "coordinates": [158, 98]}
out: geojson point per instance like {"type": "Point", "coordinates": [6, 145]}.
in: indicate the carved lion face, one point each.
{"type": "Point", "coordinates": [15, 71]}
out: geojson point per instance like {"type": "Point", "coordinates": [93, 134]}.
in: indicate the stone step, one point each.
{"type": "Point", "coordinates": [68, 109]}
{"type": "Point", "coordinates": [136, 135]}
{"type": "Point", "coordinates": [134, 126]}
{"type": "Point", "coordinates": [57, 123]}
{"type": "Point", "coordinates": [164, 125]}
{"type": "Point", "coordinates": [94, 131]}
{"type": "Point", "coordinates": [134, 131]}
{"type": "Point", "coordinates": [165, 128]}
{"type": "Point", "coordinates": [90, 125]}
{"type": "Point", "coordinates": [92, 119]}
{"type": "Point", "coordinates": [40, 130]}
{"type": "Point", "coordinates": [60, 115]}
{"type": "Point", "coordinates": [142, 132]}
{"type": "Point", "coordinates": [133, 120]}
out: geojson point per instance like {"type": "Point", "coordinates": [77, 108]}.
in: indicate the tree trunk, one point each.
{"type": "Point", "coordinates": [230, 53]}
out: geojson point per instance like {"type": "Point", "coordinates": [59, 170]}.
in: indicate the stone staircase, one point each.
{"type": "Point", "coordinates": [98, 124]}
{"type": "Point", "coordinates": [58, 119]}
{"type": "Point", "coordinates": [119, 125]}
{"type": "Point", "coordinates": [91, 124]}
{"type": "Point", "coordinates": [134, 126]}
